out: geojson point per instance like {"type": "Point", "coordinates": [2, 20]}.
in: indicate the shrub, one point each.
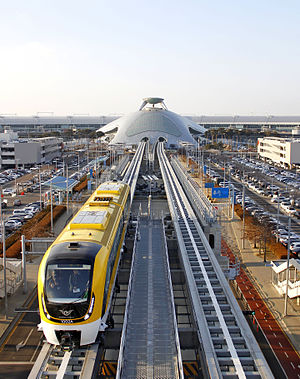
{"type": "Point", "coordinates": [81, 185]}
{"type": "Point", "coordinates": [38, 226]}
{"type": "Point", "coordinates": [255, 232]}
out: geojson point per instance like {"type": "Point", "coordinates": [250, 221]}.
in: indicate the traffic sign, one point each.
{"type": "Point", "coordinates": [220, 193]}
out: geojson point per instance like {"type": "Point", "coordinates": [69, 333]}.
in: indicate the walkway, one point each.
{"type": "Point", "coordinates": [264, 299]}
{"type": "Point", "coordinates": [150, 349]}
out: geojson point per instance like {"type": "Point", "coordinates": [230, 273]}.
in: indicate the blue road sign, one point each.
{"type": "Point", "coordinates": [204, 169]}
{"type": "Point", "coordinates": [209, 185]}
{"type": "Point", "coordinates": [220, 193]}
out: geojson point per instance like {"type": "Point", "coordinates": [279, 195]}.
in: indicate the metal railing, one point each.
{"type": "Point", "coordinates": [123, 336]}
{"type": "Point", "coordinates": [179, 365]}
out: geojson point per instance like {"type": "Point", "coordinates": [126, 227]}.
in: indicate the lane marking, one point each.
{"type": "Point", "coordinates": [292, 364]}
{"type": "Point", "coordinates": [286, 354]}
{"type": "Point", "coordinates": [280, 344]}
{"type": "Point", "coordinates": [23, 343]}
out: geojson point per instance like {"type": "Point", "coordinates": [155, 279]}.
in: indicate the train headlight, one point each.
{"type": "Point", "coordinates": [88, 315]}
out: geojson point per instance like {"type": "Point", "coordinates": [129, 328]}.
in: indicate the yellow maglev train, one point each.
{"type": "Point", "coordinates": [77, 273]}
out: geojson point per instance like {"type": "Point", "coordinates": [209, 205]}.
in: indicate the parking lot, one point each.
{"type": "Point", "coordinates": [21, 194]}
{"type": "Point", "coordinates": [272, 195]}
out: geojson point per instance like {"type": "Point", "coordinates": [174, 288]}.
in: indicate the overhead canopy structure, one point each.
{"type": "Point", "coordinates": [153, 122]}
{"type": "Point", "coordinates": [60, 183]}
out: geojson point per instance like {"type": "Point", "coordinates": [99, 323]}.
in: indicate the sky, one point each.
{"type": "Point", "coordinates": [101, 57]}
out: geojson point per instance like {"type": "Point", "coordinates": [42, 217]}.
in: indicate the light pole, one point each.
{"type": "Point", "coordinates": [243, 231]}
{"type": "Point", "coordinates": [78, 164]}
{"type": "Point", "coordinates": [63, 166]}
{"type": "Point", "coordinates": [277, 238]}
{"type": "Point", "coordinates": [96, 164]}
{"type": "Point", "coordinates": [287, 269]}
{"type": "Point", "coordinates": [51, 206]}
{"type": "Point", "coordinates": [4, 254]}
{"type": "Point", "coordinates": [67, 187]}
{"type": "Point", "coordinates": [40, 188]}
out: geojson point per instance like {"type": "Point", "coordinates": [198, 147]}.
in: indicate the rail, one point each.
{"type": "Point", "coordinates": [132, 172]}
{"type": "Point", "coordinates": [53, 362]}
{"type": "Point", "coordinates": [80, 362]}
{"type": "Point", "coordinates": [229, 347]}
{"type": "Point", "coordinates": [202, 206]}
{"type": "Point", "coordinates": [180, 373]}
{"type": "Point", "coordinates": [123, 336]}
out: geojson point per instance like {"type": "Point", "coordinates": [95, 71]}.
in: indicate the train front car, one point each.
{"type": "Point", "coordinates": [78, 271]}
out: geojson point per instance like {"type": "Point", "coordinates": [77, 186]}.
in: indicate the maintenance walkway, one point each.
{"type": "Point", "coordinates": [152, 346]}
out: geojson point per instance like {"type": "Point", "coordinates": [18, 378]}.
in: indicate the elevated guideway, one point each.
{"type": "Point", "coordinates": [228, 345]}
{"type": "Point", "coordinates": [150, 343]}
{"type": "Point", "coordinates": [132, 172]}
{"type": "Point", "coordinates": [52, 362]}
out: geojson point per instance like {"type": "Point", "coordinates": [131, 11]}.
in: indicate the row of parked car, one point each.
{"type": "Point", "coordinates": [288, 203]}
{"type": "Point", "coordinates": [285, 176]}
{"type": "Point", "coordinates": [264, 218]}
{"type": "Point", "coordinates": [288, 200]}
{"type": "Point", "coordinates": [20, 216]}
{"type": "Point", "coordinates": [278, 229]}
{"type": "Point", "coordinates": [12, 174]}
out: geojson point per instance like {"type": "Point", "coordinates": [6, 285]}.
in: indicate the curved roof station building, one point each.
{"type": "Point", "coordinates": [153, 122]}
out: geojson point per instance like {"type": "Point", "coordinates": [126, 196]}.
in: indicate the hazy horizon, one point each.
{"type": "Point", "coordinates": [204, 58]}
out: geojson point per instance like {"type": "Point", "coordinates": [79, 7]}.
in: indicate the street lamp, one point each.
{"type": "Point", "coordinates": [287, 269]}
{"type": "Point", "coordinates": [51, 206]}
{"type": "Point", "coordinates": [40, 188]}
{"type": "Point", "coordinates": [67, 187]}
{"type": "Point", "coordinates": [4, 254]}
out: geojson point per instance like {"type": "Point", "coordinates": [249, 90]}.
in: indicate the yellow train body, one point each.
{"type": "Point", "coordinates": [78, 271]}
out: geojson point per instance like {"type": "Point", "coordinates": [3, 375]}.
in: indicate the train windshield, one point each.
{"type": "Point", "coordinates": [68, 283]}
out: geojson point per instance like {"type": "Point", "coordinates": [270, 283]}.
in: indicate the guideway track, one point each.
{"type": "Point", "coordinates": [150, 341]}
{"type": "Point", "coordinates": [228, 344]}
{"type": "Point", "coordinates": [80, 362]}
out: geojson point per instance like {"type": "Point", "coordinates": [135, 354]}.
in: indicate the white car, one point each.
{"type": "Point", "coordinates": [295, 245]}
{"type": "Point", "coordinates": [13, 224]}
{"type": "Point", "coordinates": [290, 210]}
{"type": "Point", "coordinates": [7, 191]}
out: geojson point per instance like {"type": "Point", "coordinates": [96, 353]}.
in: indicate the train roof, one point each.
{"type": "Point", "coordinates": [98, 217]}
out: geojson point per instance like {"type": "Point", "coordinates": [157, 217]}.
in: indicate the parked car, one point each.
{"type": "Point", "coordinates": [12, 224]}
{"type": "Point", "coordinates": [7, 191]}
{"type": "Point", "coordinates": [17, 202]}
